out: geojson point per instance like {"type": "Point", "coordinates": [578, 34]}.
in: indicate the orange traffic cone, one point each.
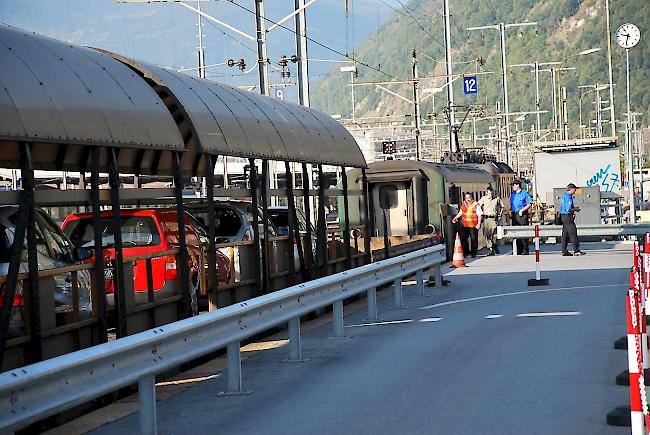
{"type": "Point", "coordinates": [459, 259]}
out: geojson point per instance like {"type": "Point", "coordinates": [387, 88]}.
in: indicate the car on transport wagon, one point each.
{"type": "Point", "coordinates": [147, 231]}
{"type": "Point", "coordinates": [53, 250]}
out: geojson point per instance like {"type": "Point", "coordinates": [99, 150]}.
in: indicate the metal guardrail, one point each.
{"type": "Point", "coordinates": [522, 232]}
{"type": "Point", "coordinates": [37, 391]}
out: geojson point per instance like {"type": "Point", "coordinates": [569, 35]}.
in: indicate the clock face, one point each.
{"type": "Point", "coordinates": [628, 35]}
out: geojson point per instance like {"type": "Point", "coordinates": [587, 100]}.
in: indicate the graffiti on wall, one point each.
{"type": "Point", "coordinates": [606, 178]}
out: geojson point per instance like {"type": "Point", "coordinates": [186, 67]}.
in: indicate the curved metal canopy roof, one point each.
{"type": "Point", "coordinates": [234, 122]}
{"type": "Point", "coordinates": [63, 97]}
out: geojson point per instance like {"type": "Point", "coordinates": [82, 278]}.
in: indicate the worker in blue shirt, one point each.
{"type": "Point", "coordinates": [567, 216]}
{"type": "Point", "coordinates": [520, 203]}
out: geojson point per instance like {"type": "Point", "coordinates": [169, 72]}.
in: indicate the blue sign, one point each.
{"type": "Point", "coordinates": [470, 85]}
{"type": "Point", "coordinates": [279, 94]}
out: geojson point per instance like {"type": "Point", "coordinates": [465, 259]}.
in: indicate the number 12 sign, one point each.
{"type": "Point", "coordinates": [470, 85]}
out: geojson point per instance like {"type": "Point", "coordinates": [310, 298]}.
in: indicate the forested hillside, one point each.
{"type": "Point", "coordinates": [565, 27]}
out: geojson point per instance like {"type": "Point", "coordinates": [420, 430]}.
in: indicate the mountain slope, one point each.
{"type": "Point", "coordinates": [565, 27]}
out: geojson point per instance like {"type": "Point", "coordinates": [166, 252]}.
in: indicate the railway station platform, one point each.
{"type": "Point", "coordinates": [486, 354]}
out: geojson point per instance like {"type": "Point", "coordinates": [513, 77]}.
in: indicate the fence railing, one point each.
{"type": "Point", "coordinates": [31, 393]}
{"type": "Point", "coordinates": [522, 232]}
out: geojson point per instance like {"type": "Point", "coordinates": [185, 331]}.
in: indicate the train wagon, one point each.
{"type": "Point", "coordinates": [410, 194]}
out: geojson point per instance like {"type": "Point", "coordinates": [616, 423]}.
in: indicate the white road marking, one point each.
{"type": "Point", "coordinates": [557, 313]}
{"type": "Point", "coordinates": [494, 316]}
{"type": "Point", "coordinates": [390, 322]}
{"type": "Point", "coordinates": [500, 295]}
{"type": "Point", "coordinates": [430, 319]}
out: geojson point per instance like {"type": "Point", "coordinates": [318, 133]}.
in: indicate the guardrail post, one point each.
{"type": "Point", "coordinates": [437, 271]}
{"type": "Point", "coordinates": [295, 349]}
{"type": "Point", "coordinates": [398, 294]}
{"type": "Point", "coordinates": [147, 402]}
{"type": "Point", "coordinates": [337, 319]}
{"type": "Point", "coordinates": [419, 282]}
{"type": "Point", "coordinates": [234, 371]}
{"type": "Point", "coordinates": [372, 305]}
{"type": "Point", "coordinates": [514, 247]}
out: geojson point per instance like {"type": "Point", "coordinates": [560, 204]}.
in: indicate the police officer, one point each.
{"type": "Point", "coordinates": [520, 203]}
{"type": "Point", "coordinates": [567, 215]}
{"type": "Point", "coordinates": [492, 208]}
{"type": "Point", "coordinates": [470, 215]}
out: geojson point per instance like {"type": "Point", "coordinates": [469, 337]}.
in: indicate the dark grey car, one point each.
{"type": "Point", "coordinates": [54, 250]}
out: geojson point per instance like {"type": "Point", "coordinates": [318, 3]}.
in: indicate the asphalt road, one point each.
{"type": "Point", "coordinates": [486, 355]}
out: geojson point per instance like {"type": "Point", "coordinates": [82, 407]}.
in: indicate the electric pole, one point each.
{"type": "Point", "coordinates": [262, 56]}
{"type": "Point", "coordinates": [416, 107]}
{"type": "Point", "coordinates": [609, 66]}
{"type": "Point", "coordinates": [453, 146]}
{"type": "Point", "coordinates": [501, 27]}
{"type": "Point", "coordinates": [201, 53]}
{"type": "Point", "coordinates": [301, 52]}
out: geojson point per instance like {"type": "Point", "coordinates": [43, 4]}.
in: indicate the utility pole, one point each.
{"type": "Point", "coordinates": [453, 146]}
{"type": "Point", "coordinates": [599, 119]}
{"type": "Point", "coordinates": [201, 53]}
{"type": "Point", "coordinates": [609, 67]}
{"type": "Point", "coordinates": [554, 96]}
{"type": "Point", "coordinates": [416, 107]}
{"type": "Point", "coordinates": [565, 121]}
{"type": "Point", "coordinates": [628, 140]}
{"type": "Point", "coordinates": [501, 27]}
{"type": "Point", "coordinates": [537, 105]}
{"type": "Point", "coordinates": [637, 145]}
{"type": "Point", "coordinates": [499, 121]}
{"type": "Point", "coordinates": [301, 52]}
{"type": "Point", "coordinates": [262, 56]}
{"type": "Point", "coordinates": [536, 71]}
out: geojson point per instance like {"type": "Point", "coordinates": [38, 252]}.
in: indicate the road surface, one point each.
{"type": "Point", "coordinates": [485, 355]}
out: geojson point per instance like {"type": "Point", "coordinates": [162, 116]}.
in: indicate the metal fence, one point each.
{"type": "Point", "coordinates": [593, 230]}
{"type": "Point", "coordinates": [40, 390]}
{"type": "Point", "coordinates": [522, 232]}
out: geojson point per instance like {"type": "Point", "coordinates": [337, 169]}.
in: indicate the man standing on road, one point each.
{"type": "Point", "coordinates": [568, 217]}
{"type": "Point", "coordinates": [520, 203]}
{"type": "Point", "coordinates": [470, 212]}
{"type": "Point", "coordinates": [492, 208]}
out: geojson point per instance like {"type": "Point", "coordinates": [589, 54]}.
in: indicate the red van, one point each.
{"type": "Point", "coordinates": [144, 232]}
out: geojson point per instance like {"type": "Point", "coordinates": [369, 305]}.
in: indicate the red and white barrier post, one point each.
{"type": "Point", "coordinates": [641, 288]}
{"type": "Point", "coordinates": [538, 274]}
{"type": "Point", "coordinates": [646, 269]}
{"type": "Point", "coordinates": [638, 399]}
{"type": "Point", "coordinates": [634, 359]}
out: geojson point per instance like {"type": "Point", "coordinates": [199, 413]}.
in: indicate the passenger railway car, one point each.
{"type": "Point", "coordinates": [415, 194]}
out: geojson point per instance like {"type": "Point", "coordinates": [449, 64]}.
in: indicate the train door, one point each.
{"type": "Point", "coordinates": [390, 199]}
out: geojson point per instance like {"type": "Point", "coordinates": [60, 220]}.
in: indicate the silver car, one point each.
{"type": "Point", "coordinates": [54, 250]}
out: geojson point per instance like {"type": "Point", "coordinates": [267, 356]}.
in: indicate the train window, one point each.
{"type": "Point", "coordinates": [388, 196]}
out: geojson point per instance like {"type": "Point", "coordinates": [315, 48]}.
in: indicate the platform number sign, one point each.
{"type": "Point", "coordinates": [470, 85]}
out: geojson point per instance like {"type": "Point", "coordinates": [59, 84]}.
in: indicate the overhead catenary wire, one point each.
{"type": "Point", "coordinates": [320, 44]}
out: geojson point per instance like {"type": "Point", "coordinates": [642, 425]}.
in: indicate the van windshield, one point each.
{"type": "Point", "coordinates": [136, 231]}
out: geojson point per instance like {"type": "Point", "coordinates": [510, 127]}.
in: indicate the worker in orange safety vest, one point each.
{"type": "Point", "coordinates": [470, 214]}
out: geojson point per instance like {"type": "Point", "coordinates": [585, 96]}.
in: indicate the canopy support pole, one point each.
{"type": "Point", "coordinates": [118, 266]}
{"type": "Point", "coordinates": [213, 291]}
{"type": "Point", "coordinates": [185, 308]}
{"type": "Point", "coordinates": [309, 248]}
{"type": "Point", "coordinates": [99, 293]}
{"type": "Point", "coordinates": [266, 244]}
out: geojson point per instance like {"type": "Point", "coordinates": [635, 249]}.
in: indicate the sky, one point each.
{"type": "Point", "coordinates": [166, 33]}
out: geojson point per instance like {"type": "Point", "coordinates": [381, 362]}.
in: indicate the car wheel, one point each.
{"type": "Point", "coordinates": [194, 295]}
